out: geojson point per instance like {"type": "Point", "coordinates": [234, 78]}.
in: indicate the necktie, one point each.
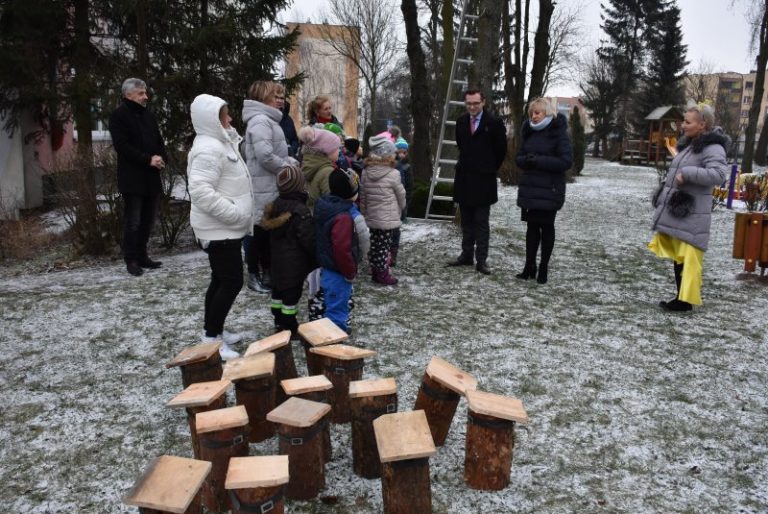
{"type": "Point", "coordinates": [473, 125]}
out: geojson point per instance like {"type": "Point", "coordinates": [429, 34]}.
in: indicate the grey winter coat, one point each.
{"type": "Point", "coordinates": [702, 165]}
{"type": "Point", "coordinates": [265, 151]}
{"type": "Point", "coordinates": [382, 197]}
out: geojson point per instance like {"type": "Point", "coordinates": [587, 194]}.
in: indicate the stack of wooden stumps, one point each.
{"type": "Point", "coordinates": [272, 400]}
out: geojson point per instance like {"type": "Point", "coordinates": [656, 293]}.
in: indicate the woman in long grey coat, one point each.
{"type": "Point", "coordinates": [683, 204]}
{"type": "Point", "coordinates": [266, 153]}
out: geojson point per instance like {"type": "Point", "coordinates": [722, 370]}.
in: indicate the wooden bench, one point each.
{"type": "Point", "coordinates": [169, 485]}
{"type": "Point", "coordinates": [316, 389]}
{"type": "Point", "coordinates": [491, 439]}
{"type": "Point", "coordinates": [341, 364]}
{"type": "Point", "coordinates": [316, 333]}
{"type": "Point", "coordinates": [369, 399]}
{"type": "Point", "coordinates": [200, 397]}
{"type": "Point", "coordinates": [199, 363]}
{"type": "Point", "coordinates": [300, 422]}
{"type": "Point", "coordinates": [223, 435]}
{"type": "Point", "coordinates": [405, 444]}
{"type": "Point", "coordinates": [257, 484]}
{"type": "Point", "coordinates": [285, 365]}
{"type": "Point", "coordinates": [441, 387]}
{"type": "Point", "coordinates": [254, 381]}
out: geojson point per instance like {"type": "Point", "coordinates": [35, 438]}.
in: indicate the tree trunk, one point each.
{"type": "Point", "coordinates": [762, 146]}
{"type": "Point", "coordinates": [754, 110]}
{"type": "Point", "coordinates": [486, 52]}
{"type": "Point", "coordinates": [541, 49]}
{"type": "Point", "coordinates": [142, 54]}
{"type": "Point", "coordinates": [421, 104]}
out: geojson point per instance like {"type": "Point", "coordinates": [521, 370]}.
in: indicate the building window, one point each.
{"type": "Point", "coordinates": [748, 85]}
{"type": "Point", "coordinates": [747, 100]}
{"type": "Point", "coordinates": [745, 114]}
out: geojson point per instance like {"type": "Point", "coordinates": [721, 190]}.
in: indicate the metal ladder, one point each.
{"type": "Point", "coordinates": [446, 145]}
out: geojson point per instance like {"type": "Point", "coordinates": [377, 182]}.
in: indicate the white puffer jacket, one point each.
{"type": "Point", "coordinates": [219, 183]}
{"type": "Point", "coordinates": [266, 152]}
{"type": "Point", "coordinates": [382, 197]}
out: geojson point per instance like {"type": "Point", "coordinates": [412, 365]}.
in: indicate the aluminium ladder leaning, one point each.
{"type": "Point", "coordinates": [445, 156]}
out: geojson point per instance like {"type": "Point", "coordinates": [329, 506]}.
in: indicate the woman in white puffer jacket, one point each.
{"type": "Point", "coordinates": [222, 211]}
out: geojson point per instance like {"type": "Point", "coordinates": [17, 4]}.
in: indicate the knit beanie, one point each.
{"type": "Point", "coordinates": [290, 179]}
{"type": "Point", "coordinates": [320, 140]}
{"type": "Point", "coordinates": [352, 145]}
{"type": "Point", "coordinates": [381, 147]}
{"type": "Point", "coordinates": [343, 183]}
{"type": "Point", "coordinates": [333, 127]}
{"type": "Point", "coordinates": [401, 144]}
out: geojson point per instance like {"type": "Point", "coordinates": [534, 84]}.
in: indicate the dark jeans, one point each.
{"type": "Point", "coordinates": [138, 218]}
{"type": "Point", "coordinates": [226, 281]}
{"type": "Point", "coordinates": [475, 232]}
{"type": "Point", "coordinates": [258, 251]}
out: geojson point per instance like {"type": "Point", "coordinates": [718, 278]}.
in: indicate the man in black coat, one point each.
{"type": "Point", "coordinates": [140, 157]}
{"type": "Point", "coordinates": [482, 142]}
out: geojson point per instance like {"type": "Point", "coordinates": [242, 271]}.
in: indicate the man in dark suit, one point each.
{"type": "Point", "coordinates": [482, 142]}
{"type": "Point", "coordinates": [140, 157]}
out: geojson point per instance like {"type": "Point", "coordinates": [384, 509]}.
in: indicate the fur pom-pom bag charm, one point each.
{"type": "Point", "coordinates": [680, 204]}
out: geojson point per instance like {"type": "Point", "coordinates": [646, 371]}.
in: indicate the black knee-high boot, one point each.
{"type": "Point", "coordinates": [677, 304]}
{"type": "Point", "coordinates": [547, 245]}
{"type": "Point", "coordinates": [532, 239]}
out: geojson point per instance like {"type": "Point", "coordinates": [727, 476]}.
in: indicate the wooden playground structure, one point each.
{"type": "Point", "coordinates": [658, 149]}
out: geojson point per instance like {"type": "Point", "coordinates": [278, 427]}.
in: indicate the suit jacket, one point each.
{"type": "Point", "coordinates": [136, 138]}
{"type": "Point", "coordinates": [480, 155]}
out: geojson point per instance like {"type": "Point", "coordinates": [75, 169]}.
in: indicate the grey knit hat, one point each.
{"type": "Point", "coordinates": [381, 147]}
{"type": "Point", "coordinates": [290, 179]}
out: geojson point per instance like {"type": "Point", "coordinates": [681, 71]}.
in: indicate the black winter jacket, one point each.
{"type": "Point", "coordinates": [136, 138]}
{"type": "Point", "coordinates": [544, 156]}
{"type": "Point", "coordinates": [480, 155]}
{"type": "Point", "coordinates": [291, 239]}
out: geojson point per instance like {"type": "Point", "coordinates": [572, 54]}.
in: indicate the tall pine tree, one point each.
{"type": "Point", "coordinates": [663, 80]}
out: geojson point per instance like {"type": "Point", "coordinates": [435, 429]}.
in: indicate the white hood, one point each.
{"type": "Point", "coordinates": [205, 117]}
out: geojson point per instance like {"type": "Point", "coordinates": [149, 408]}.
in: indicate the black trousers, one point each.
{"type": "Point", "coordinates": [475, 231]}
{"type": "Point", "coordinates": [226, 281]}
{"type": "Point", "coordinates": [138, 219]}
{"type": "Point", "coordinates": [259, 258]}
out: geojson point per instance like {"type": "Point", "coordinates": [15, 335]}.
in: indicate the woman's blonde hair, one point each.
{"type": "Point", "coordinates": [314, 106]}
{"type": "Point", "coordinates": [705, 112]}
{"type": "Point", "coordinates": [265, 90]}
{"type": "Point", "coordinates": [389, 160]}
{"type": "Point", "coordinates": [541, 103]}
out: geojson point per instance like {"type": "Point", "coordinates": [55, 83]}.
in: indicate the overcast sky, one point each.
{"type": "Point", "coordinates": [713, 31]}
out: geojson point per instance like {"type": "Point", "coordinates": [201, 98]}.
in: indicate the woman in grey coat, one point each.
{"type": "Point", "coordinates": [683, 204]}
{"type": "Point", "coordinates": [266, 153]}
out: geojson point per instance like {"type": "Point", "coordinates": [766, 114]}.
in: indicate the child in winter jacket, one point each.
{"type": "Point", "coordinates": [406, 178]}
{"type": "Point", "coordinates": [382, 200]}
{"type": "Point", "coordinates": [292, 243]}
{"type": "Point", "coordinates": [340, 229]}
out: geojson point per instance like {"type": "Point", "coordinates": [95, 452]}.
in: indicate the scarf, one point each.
{"type": "Point", "coordinates": [542, 124]}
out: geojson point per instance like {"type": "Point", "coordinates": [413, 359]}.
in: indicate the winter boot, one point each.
{"type": "Point", "coordinates": [289, 322]}
{"type": "Point", "coordinates": [529, 271]}
{"type": "Point", "coordinates": [541, 277]}
{"type": "Point", "coordinates": [255, 284]}
{"type": "Point", "coordinates": [384, 277]}
{"type": "Point", "coordinates": [276, 307]}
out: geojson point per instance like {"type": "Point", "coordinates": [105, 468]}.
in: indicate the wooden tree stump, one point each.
{"type": "Point", "coordinates": [200, 397]}
{"type": "Point", "coordinates": [257, 484]}
{"type": "Point", "coordinates": [342, 364]}
{"type": "Point", "coordinates": [223, 435]}
{"type": "Point", "coordinates": [169, 485]}
{"type": "Point", "coordinates": [405, 445]}
{"type": "Point", "coordinates": [199, 363]}
{"type": "Point", "coordinates": [285, 365]}
{"type": "Point", "coordinates": [491, 439]}
{"type": "Point", "coordinates": [369, 399]}
{"type": "Point", "coordinates": [254, 381]}
{"type": "Point", "coordinates": [315, 389]}
{"type": "Point", "coordinates": [300, 423]}
{"type": "Point", "coordinates": [439, 394]}
{"type": "Point", "coordinates": [320, 332]}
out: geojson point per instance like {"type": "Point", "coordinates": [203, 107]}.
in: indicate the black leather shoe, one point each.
{"type": "Point", "coordinates": [461, 261]}
{"type": "Point", "coordinates": [134, 269]}
{"type": "Point", "coordinates": [149, 263]}
{"type": "Point", "coordinates": [542, 275]}
{"type": "Point", "coordinates": [483, 268]}
{"type": "Point", "coordinates": [676, 306]}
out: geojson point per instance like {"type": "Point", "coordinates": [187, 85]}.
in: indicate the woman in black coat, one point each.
{"type": "Point", "coordinates": [544, 156]}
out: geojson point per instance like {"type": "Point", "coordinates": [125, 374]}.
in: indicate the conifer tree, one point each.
{"type": "Point", "coordinates": [578, 140]}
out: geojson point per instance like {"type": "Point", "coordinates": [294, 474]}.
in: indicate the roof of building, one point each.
{"type": "Point", "coordinates": [665, 112]}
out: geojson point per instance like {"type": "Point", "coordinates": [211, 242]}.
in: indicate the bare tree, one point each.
{"type": "Point", "coordinates": [565, 37]}
{"type": "Point", "coordinates": [373, 47]}
{"type": "Point", "coordinates": [701, 82]}
{"type": "Point", "coordinates": [759, 20]}
{"type": "Point", "coordinates": [601, 99]}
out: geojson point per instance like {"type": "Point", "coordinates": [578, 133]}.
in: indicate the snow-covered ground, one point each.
{"type": "Point", "coordinates": [631, 409]}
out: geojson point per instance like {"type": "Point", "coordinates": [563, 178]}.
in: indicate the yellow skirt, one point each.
{"type": "Point", "coordinates": [692, 259]}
